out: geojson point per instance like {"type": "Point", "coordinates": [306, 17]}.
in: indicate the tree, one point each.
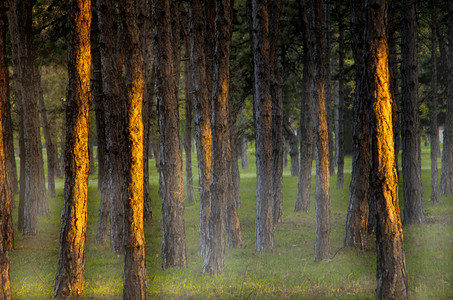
{"type": "Point", "coordinates": [306, 114]}
{"type": "Point", "coordinates": [69, 281]}
{"type": "Point", "coordinates": [358, 208]}
{"type": "Point", "coordinates": [411, 157]}
{"type": "Point", "coordinates": [264, 227]}
{"type": "Point", "coordinates": [446, 171]}
{"type": "Point", "coordinates": [339, 110]}
{"type": "Point", "coordinates": [202, 112]}
{"type": "Point", "coordinates": [174, 241]}
{"type": "Point", "coordinates": [391, 269]}
{"type": "Point", "coordinates": [188, 129]}
{"type": "Point", "coordinates": [134, 273]}
{"type": "Point", "coordinates": [322, 192]}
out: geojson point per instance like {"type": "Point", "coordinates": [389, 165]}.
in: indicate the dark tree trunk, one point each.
{"type": "Point", "coordinates": [358, 208]}
{"type": "Point", "coordinates": [35, 189]}
{"type": "Point", "coordinates": [51, 148]}
{"type": "Point", "coordinates": [244, 146]}
{"type": "Point", "coordinates": [202, 112]}
{"type": "Point", "coordinates": [293, 142]}
{"type": "Point", "coordinates": [6, 219]}
{"type": "Point", "coordinates": [446, 171]}
{"type": "Point", "coordinates": [234, 197]}
{"type": "Point", "coordinates": [188, 130]}
{"type": "Point", "coordinates": [264, 227]}
{"type": "Point", "coordinates": [103, 162]}
{"type": "Point", "coordinates": [113, 120]}
{"type": "Point", "coordinates": [322, 192]}
{"type": "Point", "coordinates": [433, 127]}
{"type": "Point", "coordinates": [149, 109]}
{"type": "Point", "coordinates": [328, 88]}
{"type": "Point", "coordinates": [410, 129]}
{"type": "Point", "coordinates": [391, 269]}
{"type": "Point", "coordinates": [69, 281]}
{"type": "Point", "coordinates": [174, 240]}
{"type": "Point", "coordinates": [339, 127]}
{"type": "Point", "coordinates": [134, 273]}
{"type": "Point", "coordinates": [306, 115]}
{"type": "Point", "coordinates": [221, 154]}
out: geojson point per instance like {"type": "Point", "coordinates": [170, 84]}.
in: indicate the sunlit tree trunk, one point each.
{"type": "Point", "coordinates": [113, 120]}
{"type": "Point", "coordinates": [306, 115]}
{"type": "Point", "coordinates": [35, 189]}
{"type": "Point", "coordinates": [174, 240]}
{"type": "Point", "coordinates": [446, 171]}
{"type": "Point", "coordinates": [264, 227]}
{"type": "Point", "coordinates": [434, 131]}
{"type": "Point", "coordinates": [339, 127]}
{"type": "Point", "coordinates": [391, 269]}
{"type": "Point", "coordinates": [358, 208]}
{"type": "Point", "coordinates": [410, 129]}
{"type": "Point", "coordinates": [69, 281]}
{"type": "Point", "coordinates": [134, 273]}
{"type": "Point", "coordinates": [201, 102]}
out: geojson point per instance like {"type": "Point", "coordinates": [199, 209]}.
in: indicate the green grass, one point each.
{"type": "Point", "coordinates": [289, 271]}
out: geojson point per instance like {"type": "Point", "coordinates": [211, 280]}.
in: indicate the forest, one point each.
{"type": "Point", "coordinates": [174, 149]}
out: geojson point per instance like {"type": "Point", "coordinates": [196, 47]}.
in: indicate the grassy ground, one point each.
{"type": "Point", "coordinates": [287, 272]}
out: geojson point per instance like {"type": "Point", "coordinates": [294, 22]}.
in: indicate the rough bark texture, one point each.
{"type": "Point", "coordinates": [234, 197]}
{"type": "Point", "coordinates": [264, 227]}
{"type": "Point", "coordinates": [433, 127]}
{"type": "Point", "coordinates": [135, 284]}
{"type": "Point", "coordinates": [322, 192]}
{"type": "Point", "coordinates": [446, 171]}
{"type": "Point", "coordinates": [358, 208]}
{"type": "Point", "coordinates": [188, 130]}
{"type": "Point", "coordinates": [35, 189]}
{"type": "Point", "coordinates": [306, 115]}
{"type": "Point", "coordinates": [202, 113]}
{"type": "Point", "coordinates": [5, 284]}
{"type": "Point", "coordinates": [391, 269]}
{"type": "Point", "coordinates": [221, 173]}
{"type": "Point", "coordinates": [174, 240]}
{"type": "Point", "coordinates": [69, 281]}
{"type": "Point", "coordinates": [410, 127]}
{"type": "Point", "coordinates": [339, 110]}
{"type": "Point", "coordinates": [114, 124]}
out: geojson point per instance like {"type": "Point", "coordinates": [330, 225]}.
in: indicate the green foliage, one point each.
{"type": "Point", "coordinates": [287, 272]}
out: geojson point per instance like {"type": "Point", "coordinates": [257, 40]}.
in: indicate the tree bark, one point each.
{"type": "Point", "coordinates": [134, 273]}
{"type": "Point", "coordinates": [358, 208]}
{"type": "Point", "coordinates": [264, 227]}
{"type": "Point", "coordinates": [202, 112]}
{"type": "Point", "coordinates": [306, 115]}
{"type": "Point", "coordinates": [188, 129]}
{"type": "Point", "coordinates": [174, 240]}
{"type": "Point", "coordinates": [69, 281]}
{"type": "Point", "coordinates": [113, 120]}
{"type": "Point", "coordinates": [35, 190]}
{"type": "Point", "coordinates": [410, 129]}
{"type": "Point", "coordinates": [293, 142]}
{"type": "Point", "coordinates": [433, 127]}
{"type": "Point", "coordinates": [391, 270]}
{"type": "Point", "coordinates": [234, 197]}
{"type": "Point", "coordinates": [244, 146]}
{"type": "Point", "coordinates": [339, 127]}
{"type": "Point", "coordinates": [446, 170]}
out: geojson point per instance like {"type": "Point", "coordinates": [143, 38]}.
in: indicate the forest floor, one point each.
{"type": "Point", "coordinates": [289, 271]}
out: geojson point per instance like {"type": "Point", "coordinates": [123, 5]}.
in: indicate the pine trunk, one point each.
{"type": "Point", "coordinates": [293, 147]}
{"type": "Point", "coordinates": [188, 130]}
{"type": "Point", "coordinates": [174, 240]}
{"type": "Point", "coordinates": [434, 131]}
{"type": "Point", "coordinates": [339, 127]}
{"type": "Point", "coordinates": [69, 281]}
{"type": "Point", "coordinates": [410, 129]}
{"type": "Point", "coordinates": [234, 198]}
{"type": "Point", "coordinates": [244, 146]}
{"type": "Point", "coordinates": [306, 115]}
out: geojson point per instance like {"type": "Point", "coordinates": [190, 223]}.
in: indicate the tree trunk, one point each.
{"type": "Point", "coordinates": [410, 129]}
{"type": "Point", "coordinates": [391, 270]}
{"type": "Point", "coordinates": [234, 197]}
{"type": "Point", "coordinates": [358, 208]}
{"type": "Point", "coordinates": [244, 146]}
{"type": "Point", "coordinates": [148, 108]}
{"type": "Point", "coordinates": [35, 190]}
{"type": "Point", "coordinates": [103, 162]}
{"type": "Point", "coordinates": [113, 120]}
{"type": "Point", "coordinates": [134, 273]}
{"type": "Point", "coordinates": [69, 281]}
{"type": "Point", "coordinates": [446, 170]}
{"type": "Point", "coordinates": [433, 127]}
{"type": "Point", "coordinates": [5, 284]}
{"type": "Point", "coordinates": [293, 142]}
{"type": "Point", "coordinates": [202, 112]}
{"type": "Point", "coordinates": [264, 227]}
{"type": "Point", "coordinates": [306, 115]}
{"type": "Point", "coordinates": [322, 192]}
{"type": "Point", "coordinates": [339, 127]}
{"type": "Point", "coordinates": [51, 148]}
{"type": "Point", "coordinates": [174, 240]}
{"type": "Point", "coordinates": [188, 130]}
